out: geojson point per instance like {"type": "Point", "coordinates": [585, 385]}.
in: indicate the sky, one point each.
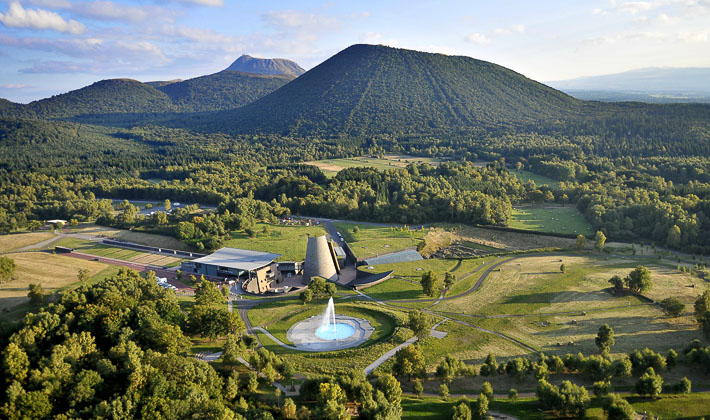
{"type": "Point", "coordinates": [49, 47]}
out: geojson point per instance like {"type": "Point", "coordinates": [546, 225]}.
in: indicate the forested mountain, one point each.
{"type": "Point", "coordinates": [224, 90]}
{"type": "Point", "coordinates": [369, 89]}
{"type": "Point", "coordinates": [266, 66]}
{"type": "Point", "coordinates": [138, 101]}
{"type": "Point", "coordinates": [103, 97]}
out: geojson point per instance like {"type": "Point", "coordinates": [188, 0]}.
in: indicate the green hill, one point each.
{"type": "Point", "coordinates": [266, 66]}
{"type": "Point", "coordinates": [104, 97]}
{"type": "Point", "coordinates": [224, 90]}
{"type": "Point", "coordinates": [133, 101]}
{"type": "Point", "coordinates": [367, 89]}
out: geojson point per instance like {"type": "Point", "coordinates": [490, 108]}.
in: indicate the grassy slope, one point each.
{"type": "Point", "coordinates": [53, 272]}
{"type": "Point", "coordinates": [539, 180]}
{"type": "Point", "coordinates": [289, 241]}
{"type": "Point", "coordinates": [534, 285]}
{"type": "Point", "coordinates": [554, 219]}
{"type": "Point", "coordinates": [377, 240]}
{"type": "Point", "coordinates": [13, 242]}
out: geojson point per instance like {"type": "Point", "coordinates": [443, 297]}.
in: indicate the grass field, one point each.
{"type": "Point", "coordinates": [554, 219]}
{"type": "Point", "coordinates": [13, 242]}
{"type": "Point", "coordinates": [331, 167]}
{"type": "Point", "coordinates": [534, 286]}
{"type": "Point", "coordinates": [93, 248]}
{"type": "Point", "coordinates": [404, 283]}
{"type": "Point", "coordinates": [539, 180]}
{"type": "Point", "coordinates": [509, 241]}
{"type": "Point", "coordinates": [289, 241]}
{"type": "Point", "coordinates": [668, 406]}
{"type": "Point", "coordinates": [377, 240]}
{"type": "Point", "coordinates": [149, 239]}
{"type": "Point", "coordinates": [53, 272]}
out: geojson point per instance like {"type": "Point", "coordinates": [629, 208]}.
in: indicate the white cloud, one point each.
{"type": "Point", "coordinates": [634, 7]}
{"type": "Point", "coordinates": [298, 19]}
{"type": "Point", "coordinates": [478, 39]}
{"type": "Point", "coordinates": [19, 17]}
{"type": "Point", "coordinates": [377, 38]}
{"type": "Point", "coordinates": [661, 19]}
{"type": "Point", "coordinates": [209, 3]}
{"type": "Point", "coordinates": [511, 30]}
{"type": "Point", "coordinates": [600, 12]}
{"type": "Point", "coordinates": [694, 37]}
{"type": "Point", "coordinates": [109, 10]}
{"type": "Point", "coordinates": [13, 86]}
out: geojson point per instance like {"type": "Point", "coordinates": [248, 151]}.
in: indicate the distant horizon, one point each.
{"type": "Point", "coordinates": [54, 46]}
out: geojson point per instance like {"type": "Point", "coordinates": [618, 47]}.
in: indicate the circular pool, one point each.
{"type": "Point", "coordinates": [336, 331]}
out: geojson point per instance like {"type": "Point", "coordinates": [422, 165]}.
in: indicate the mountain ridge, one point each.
{"type": "Point", "coordinates": [366, 89]}
{"type": "Point", "coordinates": [266, 66]}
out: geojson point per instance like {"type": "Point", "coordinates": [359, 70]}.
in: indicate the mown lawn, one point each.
{"type": "Point", "coordinates": [289, 241]}
{"type": "Point", "coordinates": [693, 406]}
{"type": "Point", "coordinates": [539, 180]}
{"type": "Point", "coordinates": [377, 240]}
{"type": "Point", "coordinates": [555, 219]}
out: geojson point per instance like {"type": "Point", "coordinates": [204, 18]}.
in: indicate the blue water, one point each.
{"type": "Point", "coordinates": [335, 332]}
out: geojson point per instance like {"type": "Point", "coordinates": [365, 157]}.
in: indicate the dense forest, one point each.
{"type": "Point", "coordinates": [637, 172]}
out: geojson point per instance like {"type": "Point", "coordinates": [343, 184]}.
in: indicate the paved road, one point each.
{"type": "Point", "coordinates": [374, 365]}
{"type": "Point", "coordinates": [41, 244]}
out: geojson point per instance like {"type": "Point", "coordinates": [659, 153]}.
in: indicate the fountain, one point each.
{"type": "Point", "coordinates": [328, 331]}
{"type": "Point", "coordinates": [331, 330]}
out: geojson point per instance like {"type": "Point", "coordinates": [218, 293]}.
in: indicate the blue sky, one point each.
{"type": "Point", "coordinates": [52, 46]}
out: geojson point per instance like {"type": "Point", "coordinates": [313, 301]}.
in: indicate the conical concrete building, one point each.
{"type": "Point", "coordinates": [320, 260]}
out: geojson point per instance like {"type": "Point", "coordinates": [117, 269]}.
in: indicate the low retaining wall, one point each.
{"type": "Point", "coordinates": [138, 247]}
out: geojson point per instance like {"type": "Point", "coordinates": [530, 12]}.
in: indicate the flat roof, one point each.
{"type": "Point", "coordinates": [241, 259]}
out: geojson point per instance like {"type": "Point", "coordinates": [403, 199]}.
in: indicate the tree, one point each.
{"type": "Point", "coordinates": [563, 268]}
{"type": "Point", "coordinates": [444, 391]}
{"type": "Point", "coordinates": [233, 349]}
{"type": "Point", "coordinates": [617, 282]}
{"type": "Point", "coordinates": [480, 408]}
{"type": "Point", "coordinates": [490, 366]}
{"type": "Point", "coordinates": [674, 237]}
{"type": "Point", "coordinates": [599, 240]}
{"type": "Point", "coordinates": [430, 283]}
{"type": "Point", "coordinates": [7, 269]}
{"type": "Point", "coordinates": [672, 307]}
{"type": "Point", "coordinates": [671, 358]}
{"type": "Point", "coordinates": [36, 293]}
{"type": "Point", "coordinates": [306, 296]}
{"type": "Point", "coordinates": [568, 399]}
{"type": "Point", "coordinates": [581, 242]}
{"type": "Point", "coordinates": [601, 388]}
{"type": "Point", "coordinates": [701, 308]}
{"type": "Point", "coordinates": [449, 279]}
{"type": "Point", "coordinates": [83, 276]}
{"type": "Point", "coordinates": [650, 384]}
{"type": "Point", "coordinates": [289, 409]}
{"type": "Point", "coordinates": [639, 280]}
{"type": "Point", "coordinates": [420, 323]}
{"type": "Point", "coordinates": [208, 294]}
{"type": "Point", "coordinates": [604, 339]}
{"type": "Point", "coordinates": [617, 408]}
{"type": "Point", "coordinates": [487, 390]}
{"type": "Point", "coordinates": [461, 412]}
{"type": "Point", "coordinates": [418, 388]}
{"type": "Point", "coordinates": [331, 402]}
{"type": "Point", "coordinates": [356, 230]}
{"type": "Point", "coordinates": [286, 370]}
{"type": "Point", "coordinates": [409, 362]}
{"type": "Point", "coordinates": [252, 382]}
{"type": "Point", "coordinates": [513, 394]}
{"type": "Point", "coordinates": [684, 387]}
{"type": "Point", "coordinates": [167, 205]}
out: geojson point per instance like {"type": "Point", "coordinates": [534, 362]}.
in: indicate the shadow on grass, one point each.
{"type": "Point", "coordinates": [558, 297]}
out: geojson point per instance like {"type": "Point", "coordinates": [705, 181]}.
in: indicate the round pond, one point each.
{"type": "Point", "coordinates": [336, 331]}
